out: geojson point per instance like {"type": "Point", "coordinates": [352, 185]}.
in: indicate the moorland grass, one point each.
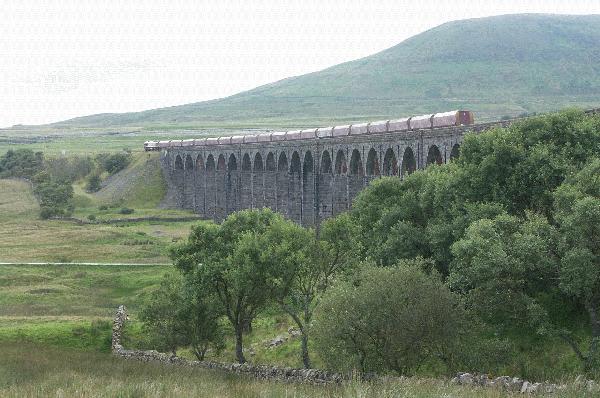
{"type": "Point", "coordinates": [31, 370]}
{"type": "Point", "coordinates": [26, 238]}
{"type": "Point", "coordinates": [70, 305]}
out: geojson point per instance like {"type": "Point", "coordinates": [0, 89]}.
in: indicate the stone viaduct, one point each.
{"type": "Point", "coordinates": [306, 180]}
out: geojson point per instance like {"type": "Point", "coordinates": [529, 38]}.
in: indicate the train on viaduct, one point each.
{"type": "Point", "coordinates": [306, 175]}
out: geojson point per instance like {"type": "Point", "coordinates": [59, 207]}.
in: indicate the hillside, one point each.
{"type": "Point", "coordinates": [496, 66]}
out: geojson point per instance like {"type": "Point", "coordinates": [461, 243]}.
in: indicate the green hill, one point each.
{"type": "Point", "coordinates": [496, 66]}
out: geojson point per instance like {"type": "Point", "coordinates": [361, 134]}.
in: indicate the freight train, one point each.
{"type": "Point", "coordinates": [437, 120]}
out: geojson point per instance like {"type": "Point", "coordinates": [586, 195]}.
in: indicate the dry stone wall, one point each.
{"type": "Point", "coordinates": [258, 371]}
{"type": "Point", "coordinates": [316, 376]}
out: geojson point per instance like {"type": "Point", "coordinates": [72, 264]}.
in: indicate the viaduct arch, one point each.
{"type": "Point", "coordinates": [306, 180]}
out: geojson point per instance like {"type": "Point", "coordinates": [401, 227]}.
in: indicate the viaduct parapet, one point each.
{"type": "Point", "coordinates": [306, 180]}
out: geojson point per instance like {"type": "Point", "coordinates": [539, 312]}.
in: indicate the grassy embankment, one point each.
{"type": "Point", "coordinates": [26, 238]}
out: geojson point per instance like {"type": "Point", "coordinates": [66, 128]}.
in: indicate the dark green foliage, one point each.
{"type": "Point", "coordinates": [513, 170]}
{"type": "Point", "coordinates": [503, 267]}
{"type": "Point", "coordinates": [175, 317]}
{"type": "Point", "coordinates": [69, 168]}
{"type": "Point", "coordinates": [305, 267]}
{"type": "Point", "coordinates": [21, 163]}
{"type": "Point", "coordinates": [94, 183]}
{"type": "Point", "coordinates": [395, 319]}
{"type": "Point", "coordinates": [499, 224]}
{"type": "Point", "coordinates": [578, 215]}
{"type": "Point", "coordinates": [227, 264]}
{"type": "Point", "coordinates": [126, 210]}
{"type": "Point", "coordinates": [54, 197]}
{"type": "Point", "coordinates": [113, 162]}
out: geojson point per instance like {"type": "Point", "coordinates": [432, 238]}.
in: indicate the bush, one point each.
{"type": "Point", "coordinates": [91, 217]}
{"type": "Point", "coordinates": [21, 163]}
{"type": "Point", "coordinates": [103, 207]}
{"type": "Point", "coordinates": [69, 168]}
{"type": "Point", "coordinates": [174, 318]}
{"type": "Point", "coordinates": [126, 210]}
{"type": "Point", "coordinates": [55, 198]}
{"type": "Point", "coordinates": [113, 163]}
{"type": "Point", "coordinates": [393, 319]}
{"type": "Point", "coordinates": [93, 183]}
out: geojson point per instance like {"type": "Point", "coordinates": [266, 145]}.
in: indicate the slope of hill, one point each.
{"type": "Point", "coordinates": [495, 66]}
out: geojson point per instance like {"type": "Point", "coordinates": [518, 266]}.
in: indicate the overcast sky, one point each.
{"type": "Point", "coordinates": [65, 58]}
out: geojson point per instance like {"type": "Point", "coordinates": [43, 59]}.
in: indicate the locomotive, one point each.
{"type": "Point", "coordinates": [432, 121]}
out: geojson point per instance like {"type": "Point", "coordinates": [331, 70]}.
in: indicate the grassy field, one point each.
{"type": "Point", "coordinates": [72, 305]}
{"type": "Point", "coordinates": [26, 238]}
{"type": "Point", "coordinates": [38, 371]}
{"type": "Point", "coordinates": [69, 305]}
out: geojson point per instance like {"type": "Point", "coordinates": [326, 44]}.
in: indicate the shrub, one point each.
{"type": "Point", "coordinates": [21, 163]}
{"type": "Point", "coordinates": [103, 207]}
{"type": "Point", "coordinates": [93, 183]}
{"type": "Point", "coordinates": [113, 163]}
{"type": "Point", "coordinates": [175, 318]}
{"type": "Point", "coordinates": [388, 319]}
{"type": "Point", "coordinates": [69, 168]}
{"type": "Point", "coordinates": [126, 210]}
{"type": "Point", "coordinates": [91, 217]}
{"type": "Point", "coordinates": [55, 198]}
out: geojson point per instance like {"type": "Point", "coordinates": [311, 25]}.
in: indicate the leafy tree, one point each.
{"type": "Point", "coordinates": [505, 267]}
{"type": "Point", "coordinates": [114, 162]}
{"type": "Point", "coordinates": [21, 163]}
{"type": "Point", "coordinates": [514, 170]}
{"type": "Point", "coordinates": [54, 197]}
{"type": "Point", "coordinates": [388, 319]}
{"type": "Point", "coordinates": [303, 268]}
{"type": "Point", "coordinates": [175, 318]}
{"type": "Point", "coordinates": [161, 316]}
{"type": "Point", "coordinates": [94, 183]}
{"type": "Point", "coordinates": [227, 262]}
{"type": "Point", "coordinates": [578, 214]}
{"type": "Point", "coordinates": [69, 168]}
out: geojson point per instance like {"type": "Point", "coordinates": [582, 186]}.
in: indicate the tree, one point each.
{"type": "Point", "coordinates": [54, 197]}
{"type": "Point", "coordinates": [94, 183]}
{"type": "Point", "coordinates": [578, 214]}
{"type": "Point", "coordinates": [505, 266]}
{"type": "Point", "coordinates": [21, 163]}
{"type": "Point", "coordinates": [303, 267]}
{"type": "Point", "coordinates": [227, 263]}
{"type": "Point", "coordinates": [175, 318]}
{"type": "Point", "coordinates": [513, 170]}
{"type": "Point", "coordinates": [388, 319]}
{"type": "Point", "coordinates": [160, 316]}
{"type": "Point", "coordinates": [114, 162]}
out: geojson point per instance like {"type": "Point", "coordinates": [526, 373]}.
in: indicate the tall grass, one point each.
{"type": "Point", "coordinates": [37, 371]}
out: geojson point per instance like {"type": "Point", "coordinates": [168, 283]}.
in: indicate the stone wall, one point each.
{"type": "Point", "coordinates": [504, 383]}
{"type": "Point", "coordinates": [258, 371]}
{"type": "Point", "coordinates": [305, 180]}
